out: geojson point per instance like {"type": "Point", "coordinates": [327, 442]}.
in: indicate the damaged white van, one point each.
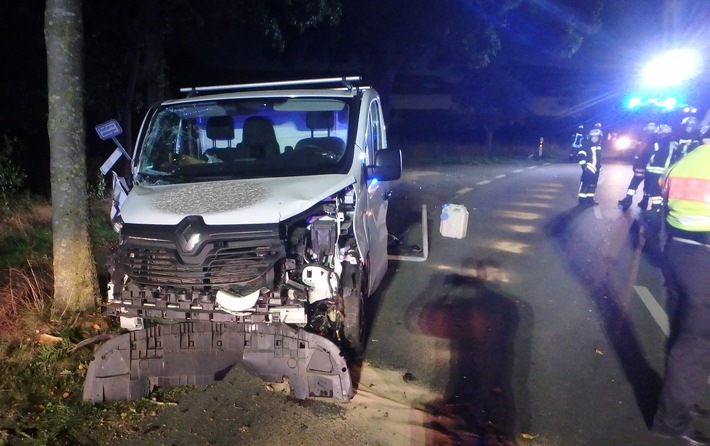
{"type": "Point", "coordinates": [252, 230]}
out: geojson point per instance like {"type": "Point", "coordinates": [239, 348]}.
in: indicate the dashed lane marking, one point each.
{"type": "Point", "coordinates": [497, 177]}
{"type": "Point", "coordinates": [654, 308]}
{"type": "Point", "coordinates": [598, 213]}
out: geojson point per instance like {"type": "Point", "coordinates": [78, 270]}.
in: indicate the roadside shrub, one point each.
{"type": "Point", "coordinates": [26, 299]}
{"type": "Point", "coordinates": [12, 177]}
{"type": "Point", "coordinates": [99, 189]}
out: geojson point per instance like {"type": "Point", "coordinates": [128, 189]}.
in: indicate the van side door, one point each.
{"type": "Point", "coordinates": [377, 194]}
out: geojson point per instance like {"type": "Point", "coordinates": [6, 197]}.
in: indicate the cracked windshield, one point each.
{"type": "Point", "coordinates": [237, 139]}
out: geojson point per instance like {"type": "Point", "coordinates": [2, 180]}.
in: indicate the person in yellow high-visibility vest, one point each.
{"type": "Point", "coordinates": [686, 268]}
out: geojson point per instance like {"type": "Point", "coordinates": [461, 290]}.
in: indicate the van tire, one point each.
{"type": "Point", "coordinates": [354, 324]}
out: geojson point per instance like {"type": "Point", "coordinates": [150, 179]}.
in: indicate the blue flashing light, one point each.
{"type": "Point", "coordinates": [634, 102]}
{"type": "Point", "coordinates": [669, 103]}
{"type": "Point", "coordinates": [373, 186]}
{"type": "Point", "coordinates": [664, 102]}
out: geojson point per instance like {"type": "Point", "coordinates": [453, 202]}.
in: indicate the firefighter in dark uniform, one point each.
{"type": "Point", "coordinates": [589, 157]}
{"type": "Point", "coordinates": [657, 167]}
{"type": "Point", "coordinates": [641, 158]}
{"type": "Point", "coordinates": [688, 138]}
{"type": "Point", "coordinates": [686, 265]}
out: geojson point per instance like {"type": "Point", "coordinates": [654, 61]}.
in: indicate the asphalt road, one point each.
{"type": "Point", "coordinates": [547, 319]}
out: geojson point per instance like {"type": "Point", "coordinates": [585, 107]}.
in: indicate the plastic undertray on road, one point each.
{"type": "Point", "coordinates": [130, 366]}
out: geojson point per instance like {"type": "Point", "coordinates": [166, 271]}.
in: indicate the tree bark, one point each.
{"type": "Point", "coordinates": [75, 281]}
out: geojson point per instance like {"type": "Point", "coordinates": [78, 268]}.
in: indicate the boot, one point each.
{"type": "Point", "coordinates": [625, 202]}
{"type": "Point", "coordinates": [643, 204]}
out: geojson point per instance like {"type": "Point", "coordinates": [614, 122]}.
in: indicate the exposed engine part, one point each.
{"type": "Point", "coordinates": [293, 273]}
{"type": "Point", "coordinates": [323, 283]}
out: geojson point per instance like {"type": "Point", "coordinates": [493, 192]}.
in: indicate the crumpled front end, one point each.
{"type": "Point", "coordinates": [130, 366]}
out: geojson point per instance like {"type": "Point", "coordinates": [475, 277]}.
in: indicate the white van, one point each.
{"type": "Point", "coordinates": [255, 214]}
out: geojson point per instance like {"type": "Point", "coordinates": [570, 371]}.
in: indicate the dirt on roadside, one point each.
{"type": "Point", "coordinates": [388, 409]}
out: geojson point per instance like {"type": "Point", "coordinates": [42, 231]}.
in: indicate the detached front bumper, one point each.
{"type": "Point", "coordinates": [130, 366]}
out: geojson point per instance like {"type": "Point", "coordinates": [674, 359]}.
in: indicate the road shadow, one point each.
{"type": "Point", "coordinates": [485, 328]}
{"type": "Point", "coordinates": [586, 261]}
{"type": "Point", "coordinates": [647, 237]}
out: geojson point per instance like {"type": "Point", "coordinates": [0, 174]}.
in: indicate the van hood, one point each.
{"type": "Point", "coordinates": [257, 201]}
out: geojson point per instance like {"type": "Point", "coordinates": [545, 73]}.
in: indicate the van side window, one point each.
{"type": "Point", "coordinates": [374, 132]}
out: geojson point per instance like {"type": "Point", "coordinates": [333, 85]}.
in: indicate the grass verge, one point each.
{"type": "Point", "coordinates": [41, 380]}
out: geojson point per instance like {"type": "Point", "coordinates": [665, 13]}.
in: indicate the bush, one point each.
{"type": "Point", "coordinates": [12, 177]}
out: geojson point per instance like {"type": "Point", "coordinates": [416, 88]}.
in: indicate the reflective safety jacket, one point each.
{"type": "Point", "coordinates": [687, 192]}
{"type": "Point", "coordinates": [644, 153]}
{"type": "Point", "coordinates": [589, 155]}
{"type": "Point", "coordinates": [577, 140]}
{"type": "Point", "coordinates": [686, 144]}
{"type": "Point", "coordinates": [663, 150]}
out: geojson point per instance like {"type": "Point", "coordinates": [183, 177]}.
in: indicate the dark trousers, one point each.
{"type": "Point", "coordinates": [652, 188]}
{"type": "Point", "coordinates": [588, 183]}
{"type": "Point", "coordinates": [686, 269]}
{"type": "Point", "coordinates": [634, 183]}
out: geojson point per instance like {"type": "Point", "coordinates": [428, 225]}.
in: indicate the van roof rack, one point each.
{"type": "Point", "coordinates": [345, 81]}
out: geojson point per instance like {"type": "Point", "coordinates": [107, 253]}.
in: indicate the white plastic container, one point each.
{"type": "Point", "coordinates": [454, 220]}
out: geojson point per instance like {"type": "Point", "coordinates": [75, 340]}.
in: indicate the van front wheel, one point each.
{"type": "Point", "coordinates": [354, 323]}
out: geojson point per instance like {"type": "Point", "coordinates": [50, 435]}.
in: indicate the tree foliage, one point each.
{"type": "Point", "coordinates": [452, 37]}
{"type": "Point", "coordinates": [12, 176]}
{"type": "Point", "coordinates": [492, 97]}
{"type": "Point", "coordinates": [148, 45]}
{"type": "Point", "coordinates": [551, 29]}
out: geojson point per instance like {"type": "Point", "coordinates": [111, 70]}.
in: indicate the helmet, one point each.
{"type": "Point", "coordinates": [580, 127]}
{"type": "Point", "coordinates": [690, 123]}
{"type": "Point", "coordinates": [598, 125]}
{"type": "Point", "coordinates": [594, 133]}
{"type": "Point", "coordinates": [650, 127]}
{"type": "Point", "coordinates": [664, 129]}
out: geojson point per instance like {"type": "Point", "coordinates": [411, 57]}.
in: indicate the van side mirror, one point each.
{"type": "Point", "coordinates": [388, 165]}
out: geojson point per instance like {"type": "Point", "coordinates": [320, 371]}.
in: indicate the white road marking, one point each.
{"type": "Point", "coordinates": [464, 190]}
{"type": "Point", "coordinates": [517, 170]}
{"type": "Point", "coordinates": [598, 213]}
{"type": "Point", "coordinates": [500, 176]}
{"type": "Point", "coordinates": [532, 167]}
{"type": "Point", "coordinates": [654, 308]}
{"type": "Point", "coordinates": [483, 182]}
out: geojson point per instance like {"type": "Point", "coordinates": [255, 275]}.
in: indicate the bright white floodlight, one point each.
{"type": "Point", "coordinates": [672, 68]}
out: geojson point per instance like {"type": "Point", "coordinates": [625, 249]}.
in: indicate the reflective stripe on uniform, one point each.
{"type": "Point", "coordinates": [656, 169]}
{"type": "Point", "coordinates": [689, 223]}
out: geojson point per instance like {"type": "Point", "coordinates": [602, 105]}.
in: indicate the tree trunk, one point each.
{"type": "Point", "coordinates": [75, 281]}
